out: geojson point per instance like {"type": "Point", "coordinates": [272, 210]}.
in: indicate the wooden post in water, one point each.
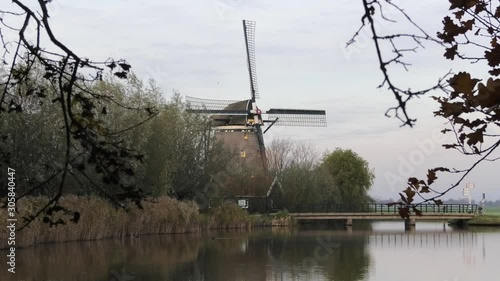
{"type": "Point", "coordinates": [348, 228]}
{"type": "Point", "coordinates": [348, 222]}
{"type": "Point", "coordinates": [410, 224]}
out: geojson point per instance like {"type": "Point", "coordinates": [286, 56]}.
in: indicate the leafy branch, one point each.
{"type": "Point", "coordinates": [471, 107]}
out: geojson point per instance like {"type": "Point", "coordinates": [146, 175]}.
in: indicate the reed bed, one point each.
{"type": "Point", "coordinates": [101, 220]}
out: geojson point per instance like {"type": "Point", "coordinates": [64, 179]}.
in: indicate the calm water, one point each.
{"type": "Point", "coordinates": [379, 251]}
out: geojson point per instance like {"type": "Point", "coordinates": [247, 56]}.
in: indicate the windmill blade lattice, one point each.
{"type": "Point", "coordinates": [196, 104]}
{"type": "Point", "coordinates": [297, 117]}
{"type": "Point", "coordinates": [249, 32]}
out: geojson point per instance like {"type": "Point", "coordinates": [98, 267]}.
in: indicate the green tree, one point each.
{"type": "Point", "coordinates": [351, 176]}
{"type": "Point", "coordinates": [295, 164]}
{"type": "Point", "coordinates": [341, 176]}
{"type": "Point", "coordinates": [181, 152]}
{"type": "Point", "coordinates": [33, 138]}
{"type": "Point", "coordinates": [299, 185]}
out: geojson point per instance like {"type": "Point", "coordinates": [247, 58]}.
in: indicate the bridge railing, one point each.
{"type": "Point", "coordinates": [380, 208]}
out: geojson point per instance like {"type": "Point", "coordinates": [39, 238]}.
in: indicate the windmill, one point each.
{"type": "Point", "coordinates": [239, 123]}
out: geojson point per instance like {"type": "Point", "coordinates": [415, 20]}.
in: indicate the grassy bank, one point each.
{"type": "Point", "coordinates": [485, 220]}
{"type": "Point", "coordinates": [491, 217]}
{"type": "Point", "coordinates": [100, 220]}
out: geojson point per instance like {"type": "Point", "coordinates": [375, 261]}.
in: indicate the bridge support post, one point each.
{"type": "Point", "coordinates": [348, 229]}
{"type": "Point", "coordinates": [348, 222]}
{"type": "Point", "coordinates": [410, 224]}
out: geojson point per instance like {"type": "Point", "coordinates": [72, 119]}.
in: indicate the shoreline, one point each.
{"type": "Point", "coordinates": [101, 220]}
{"type": "Point", "coordinates": [480, 220]}
{"type": "Point", "coordinates": [133, 236]}
{"type": "Point", "coordinates": [485, 220]}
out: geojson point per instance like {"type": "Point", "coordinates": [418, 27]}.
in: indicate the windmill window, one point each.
{"type": "Point", "coordinates": [243, 154]}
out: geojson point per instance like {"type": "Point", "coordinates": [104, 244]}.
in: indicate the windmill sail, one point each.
{"type": "Point", "coordinates": [221, 107]}
{"type": "Point", "coordinates": [249, 31]}
{"type": "Point", "coordinates": [297, 117]}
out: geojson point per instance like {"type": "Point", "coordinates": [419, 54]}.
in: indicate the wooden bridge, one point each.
{"type": "Point", "coordinates": [380, 211]}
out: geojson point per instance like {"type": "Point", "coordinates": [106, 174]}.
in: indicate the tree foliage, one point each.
{"type": "Point", "coordinates": [37, 69]}
{"type": "Point", "coordinates": [351, 174]}
{"type": "Point", "coordinates": [341, 176]}
{"type": "Point", "coordinates": [178, 151]}
{"type": "Point", "coordinates": [182, 153]}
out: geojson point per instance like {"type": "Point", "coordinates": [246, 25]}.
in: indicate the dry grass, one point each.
{"type": "Point", "coordinates": [100, 220]}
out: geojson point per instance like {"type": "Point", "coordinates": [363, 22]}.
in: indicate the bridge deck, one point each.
{"type": "Point", "coordinates": [380, 211]}
{"type": "Point", "coordinates": [375, 216]}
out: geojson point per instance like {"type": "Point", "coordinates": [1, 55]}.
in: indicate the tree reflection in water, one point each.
{"type": "Point", "coordinates": [267, 254]}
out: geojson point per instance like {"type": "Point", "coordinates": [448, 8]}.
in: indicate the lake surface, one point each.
{"type": "Point", "coordinates": [378, 251]}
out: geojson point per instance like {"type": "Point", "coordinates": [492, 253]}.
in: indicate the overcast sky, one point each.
{"type": "Point", "coordinates": [197, 47]}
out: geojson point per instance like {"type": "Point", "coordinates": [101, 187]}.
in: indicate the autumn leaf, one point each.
{"type": "Point", "coordinates": [409, 194]}
{"type": "Point", "coordinates": [459, 14]}
{"type": "Point", "coordinates": [431, 177]}
{"type": "Point", "coordinates": [494, 71]}
{"type": "Point", "coordinates": [462, 4]}
{"type": "Point", "coordinates": [417, 211]}
{"type": "Point", "coordinates": [438, 201]}
{"type": "Point", "coordinates": [441, 169]}
{"type": "Point", "coordinates": [493, 56]}
{"type": "Point", "coordinates": [463, 83]}
{"type": "Point", "coordinates": [476, 123]}
{"type": "Point", "coordinates": [451, 109]}
{"type": "Point", "coordinates": [450, 30]}
{"type": "Point", "coordinates": [475, 137]}
{"type": "Point", "coordinates": [489, 94]}
{"type": "Point", "coordinates": [451, 52]}
{"type": "Point", "coordinates": [462, 137]}
{"type": "Point", "coordinates": [414, 182]}
{"type": "Point", "coordinates": [480, 6]}
{"type": "Point", "coordinates": [468, 25]}
{"type": "Point", "coordinates": [404, 212]}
